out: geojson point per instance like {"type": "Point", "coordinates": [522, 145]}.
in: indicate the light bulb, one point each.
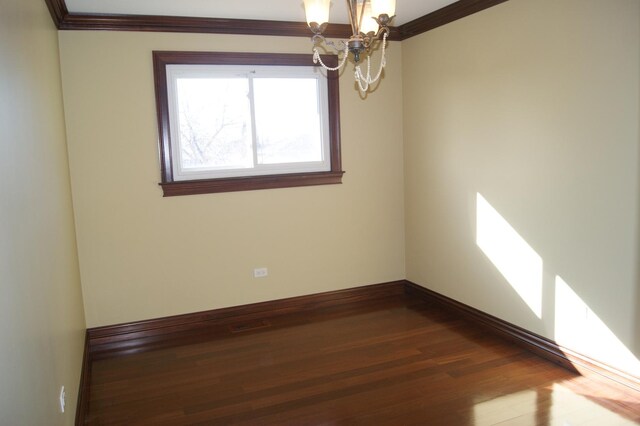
{"type": "Point", "coordinates": [381, 7]}
{"type": "Point", "coordinates": [317, 11]}
{"type": "Point", "coordinates": [368, 23]}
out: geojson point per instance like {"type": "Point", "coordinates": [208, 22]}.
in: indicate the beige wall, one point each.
{"type": "Point", "coordinates": [145, 256]}
{"type": "Point", "coordinates": [41, 315]}
{"type": "Point", "coordinates": [528, 105]}
{"type": "Point", "coordinates": [534, 105]}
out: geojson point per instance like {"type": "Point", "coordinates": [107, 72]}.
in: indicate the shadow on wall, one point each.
{"type": "Point", "coordinates": [637, 274]}
{"type": "Point", "coordinates": [575, 325]}
{"type": "Point", "coordinates": [636, 333]}
{"type": "Point", "coordinates": [636, 348]}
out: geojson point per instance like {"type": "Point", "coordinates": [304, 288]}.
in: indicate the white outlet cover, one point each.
{"type": "Point", "coordinates": [260, 272]}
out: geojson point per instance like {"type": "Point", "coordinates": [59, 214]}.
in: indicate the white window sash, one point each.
{"type": "Point", "coordinates": [175, 72]}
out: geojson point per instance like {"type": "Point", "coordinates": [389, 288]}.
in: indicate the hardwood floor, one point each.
{"type": "Point", "coordinates": [393, 361]}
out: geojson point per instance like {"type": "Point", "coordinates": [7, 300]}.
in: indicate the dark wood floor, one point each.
{"type": "Point", "coordinates": [389, 362]}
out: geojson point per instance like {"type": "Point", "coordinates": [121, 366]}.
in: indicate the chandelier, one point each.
{"type": "Point", "coordinates": [369, 23]}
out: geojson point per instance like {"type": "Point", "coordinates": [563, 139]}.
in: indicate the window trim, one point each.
{"type": "Point", "coordinates": [173, 187]}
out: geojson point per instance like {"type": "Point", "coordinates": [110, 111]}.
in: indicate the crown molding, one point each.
{"type": "Point", "coordinates": [182, 24]}
{"type": "Point", "coordinates": [447, 14]}
{"type": "Point", "coordinates": [58, 10]}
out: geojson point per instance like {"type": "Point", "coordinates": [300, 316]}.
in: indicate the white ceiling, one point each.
{"type": "Point", "coordinates": [277, 10]}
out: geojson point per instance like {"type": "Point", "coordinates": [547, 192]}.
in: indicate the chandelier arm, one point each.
{"type": "Point", "coordinates": [338, 47]}
{"type": "Point", "coordinates": [317, 39]}
{"type": "Point", "coordinates": [382, 31]}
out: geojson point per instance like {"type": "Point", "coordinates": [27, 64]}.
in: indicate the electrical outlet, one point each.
{"type": "Point", "coordinates": [62, 399]}
{"type": "Point", "coordinates": [260, 272]}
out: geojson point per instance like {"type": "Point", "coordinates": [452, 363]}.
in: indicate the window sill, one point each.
{"type": "Point", "coordinates": [249, 183]}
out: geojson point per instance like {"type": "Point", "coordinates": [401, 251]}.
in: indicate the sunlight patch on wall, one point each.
{"type": "Point", "coordinates": [579, 328]}
{"type": "Point", "coordinates": [518, 263]}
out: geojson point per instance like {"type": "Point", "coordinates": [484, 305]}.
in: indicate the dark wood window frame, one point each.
{"type": "Point", "coordinates": [172, 187]}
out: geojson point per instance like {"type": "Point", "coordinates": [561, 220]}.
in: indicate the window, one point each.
{"type": "Point", "coordinates": [244, 121]}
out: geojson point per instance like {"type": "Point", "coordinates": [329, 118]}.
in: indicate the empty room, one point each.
{"type": "Point", "coordinates": [314, 212]}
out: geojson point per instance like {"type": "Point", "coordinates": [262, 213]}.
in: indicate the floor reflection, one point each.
{"type": "Point", "coordinates": [569, 403]}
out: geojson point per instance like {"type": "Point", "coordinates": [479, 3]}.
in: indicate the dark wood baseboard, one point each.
{"type": "Point", "coordinates": [139, 335]}
{"type": "Point", "coordinates": [82, 407]}
{"type": "Point", "coordinates": [540, 345]}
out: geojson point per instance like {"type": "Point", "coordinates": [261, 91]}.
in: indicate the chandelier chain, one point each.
{"type": "Point", "coordinates": [318, 59]}
{"type": "Point", "coordinates": [365, 82]}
